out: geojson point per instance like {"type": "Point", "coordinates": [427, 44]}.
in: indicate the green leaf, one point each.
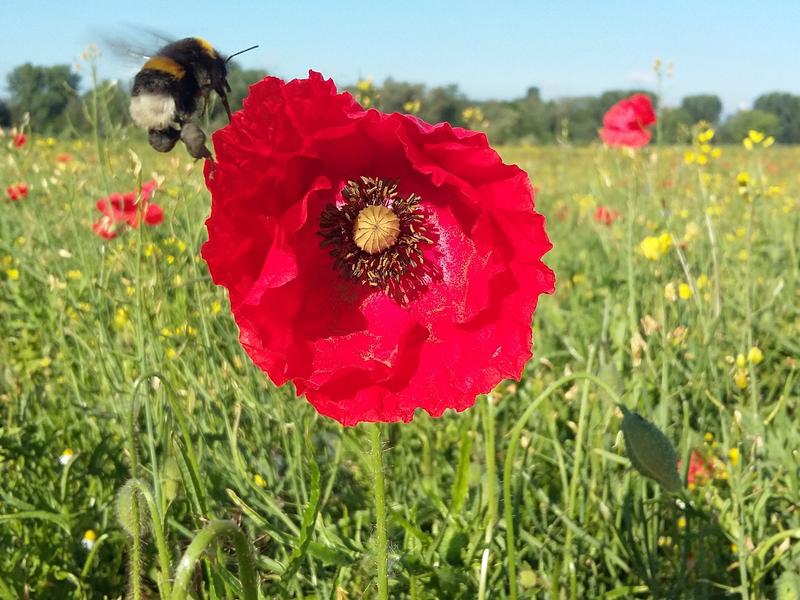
{"type": "Point", "coordinates": [307, 526]}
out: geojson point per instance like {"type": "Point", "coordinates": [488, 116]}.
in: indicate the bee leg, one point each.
{"type": "Point", "coordinates": [226, 105]}
{"type": "Point", "coordinates": [195, 141]}
{"type": "Point", "coordinates": [163, 140]}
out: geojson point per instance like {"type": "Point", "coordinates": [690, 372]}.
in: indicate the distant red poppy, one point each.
{"type": "Point", "coordinates": [605, 215]}
{"type": "Point", "coordinates": [625, 123]}
{"type": "Point", "coordinates": [19, 140]}
{"type": "Point", "coordinates": [17, 191]}
{"type": "Point", "coordinates": [120, 210]}
{"type": "Point", "coordinates": [380, 263]}
{"type": "Point", "coordinates": [64, 157]}
{"type": "Point", "coordinates": [700, 470]}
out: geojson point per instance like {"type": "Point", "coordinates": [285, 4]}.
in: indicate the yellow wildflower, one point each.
{"type": "Point", "coordinates": [74, 274]}
{"type": "Point", "coordinates": [740, 360]}
{"type": "Point", "coordinates": [747, 143]}
{"type": "Point", "coordinates": [259, 481]}
{"type": "Point", "coordinates": [681, 523]}
{"type": "Point", "coordinates": [66, 456]}
{"type": "Point", "coordinates": [216, 307]}
{"type": "Point", "coordinates": [669, 292]}
{"type": "Point", "coordinates": [692, 232]}
{"type": "Point", "coordinates": [171, 353]}
{"type": "Point", "coordinates": [702, 281]}
{"type": "Point", "coordinates": [688, 157]}
{"type": "Point", "coordinates": [768, 142]}
{"type": "Point", "coordinates": [733, 456]}
{"type": "Point", "coordinates": [89, 538]}
{"type": "Point", "coordinates": [121, 318]}
{"type": "Point", "coordinates": [756, 136]}
{"type": "Point", "coordinates": [702, 159]}
{"type": "Point", "coordinates": [755, 356]}
{"type": "Point", "coordinates": [684, 291]}
{"type": "Point", "coordinates": [12, 274]}
{"type": "Point", "coordinates": [743, 179]}
{"type": "Point", "coordinates": [740, 379]}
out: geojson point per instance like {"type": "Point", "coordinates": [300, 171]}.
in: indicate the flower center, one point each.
{"type": "Point", "coordinates": [376, 229]}
{"type": "Point", "coordinates": [377, 237]}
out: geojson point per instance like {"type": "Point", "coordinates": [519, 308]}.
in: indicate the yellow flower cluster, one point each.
{"type": "Point", "coordinates": [473, 116]}
{"type": "Point", "coordinates": [702, 150]}
{"type": "Point", "coordinates": [653, 248]}
{"type": "Point", "coordinates": [754, 138]}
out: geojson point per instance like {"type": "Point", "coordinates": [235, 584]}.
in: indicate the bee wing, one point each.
{"type": "Point", "coordinates": [134, 45]}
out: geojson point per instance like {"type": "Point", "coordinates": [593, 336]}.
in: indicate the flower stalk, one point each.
{"type": "Point", "coordinates": [379, 496]}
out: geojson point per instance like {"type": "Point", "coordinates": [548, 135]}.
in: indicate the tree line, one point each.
{"type": "Point", "coordinates": [49, 94]}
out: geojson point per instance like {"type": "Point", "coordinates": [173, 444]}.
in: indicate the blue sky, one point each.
{"type": "Point", "coordinates": [737, 49]}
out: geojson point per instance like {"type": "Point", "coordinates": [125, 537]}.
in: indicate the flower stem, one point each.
{"type": "Point", "coordinates": [248, 576]}
{"type": "Point", "coordinates": [379, 494]}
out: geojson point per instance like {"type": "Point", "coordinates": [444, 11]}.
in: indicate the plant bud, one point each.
{"type": "Point", "coordinates": [650, 451]}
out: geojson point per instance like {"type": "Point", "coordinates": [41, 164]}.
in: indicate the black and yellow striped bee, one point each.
{"type": "Point", "coordinates": [172, 87]}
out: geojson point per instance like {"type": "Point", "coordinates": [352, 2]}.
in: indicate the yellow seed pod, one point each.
{"type": "Point", "coordinates": [650, 451]}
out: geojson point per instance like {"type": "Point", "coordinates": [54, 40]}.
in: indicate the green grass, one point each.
{"type": "Point", "coordinates": [124, 352]}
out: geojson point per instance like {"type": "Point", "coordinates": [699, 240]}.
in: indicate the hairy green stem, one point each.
{"type": "Point", "coordinates": [244, 555]}
{"type": "Point", "coordinates": [379, 495]}
{"type": "Point", "coordinates": [491, 492]}
{"type": "Point", "coordinates": [158, 533]}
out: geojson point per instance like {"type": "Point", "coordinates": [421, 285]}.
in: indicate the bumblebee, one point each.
{"type": "Point", "coordinates": [172, 87]}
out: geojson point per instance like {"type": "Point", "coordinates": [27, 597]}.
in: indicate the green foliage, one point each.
{"type": "Point", "coordinates": [702, 107]}
{"type": "Point", "coordinates": [5, 114]}
{"type": "Point", "coordinates": [396, 95]}
{"type": "Point", "coordinates": [125, 351]}
{"type": "Point", "coordinates": [786, 107]}
{"type": "Point", "coordinates": [49, 94]}
{"type": "Point", "coordinates": [44, 92]}
{"type": "Point", "coordinates": [676, 125]}
{"type": "Point", "coordinates": [444, 103]}
{"type": "Point", "coordinates": [735, 129]}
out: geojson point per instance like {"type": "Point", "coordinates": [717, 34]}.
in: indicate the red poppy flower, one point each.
{"type": "Point", "coordinates": [700, 470]}
{"type": "Point", "coordinates": [120, 210]}
{"type": "Point", "coordinates": [17, 191]}
{"type": "Point", "coordinates": [379, 263]}
{"type": "Point", "coordinates": [19, 140]}
{"type": "Point", "coordinates": [605, 215]}
{"type": "Point", "coordinates": [625, 123]}
{"type": "Point", "coordinates": [64, 157]}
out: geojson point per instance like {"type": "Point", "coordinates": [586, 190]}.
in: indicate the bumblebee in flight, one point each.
{"type": "Point", "coordinates": [172, 87]}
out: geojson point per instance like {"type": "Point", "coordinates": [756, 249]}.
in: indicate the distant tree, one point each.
{"type": "Point", "coordinates": [575, 118]}
{"type": "Point", "coordinates": [703, 107]}
{"type": "Point", "coordinates": [736, 127]}
{"type": "Point", "coordinates": [503, 121]}
{"type": "Point", "coordinates": [5, 114]}
{"type": "Point", "coordinates": [443, 103]}
{"type": "Point", "coordinates": [787, 108]}
{"type": "Point", "coordinates": [533, 117]}
{"type": "Point", "coordinates": [44, 92]}
{"type": "Point", "coordinates": [676, 125]}
{"type": "Point", "coordinates": [395, 95]}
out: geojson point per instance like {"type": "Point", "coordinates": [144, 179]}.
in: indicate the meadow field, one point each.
{"type": "Point", "coordinates": [131, 418]}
